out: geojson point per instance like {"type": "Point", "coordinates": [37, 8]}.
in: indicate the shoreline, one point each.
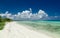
{"type": "Point", "coordinates": [15, 30]}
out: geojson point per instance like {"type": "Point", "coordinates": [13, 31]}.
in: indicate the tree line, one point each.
{"type": "Point", "coordinates": [3, 21]}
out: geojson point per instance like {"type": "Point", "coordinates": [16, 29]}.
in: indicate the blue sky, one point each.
{"type": "Point", "coordinates": [51, 7]}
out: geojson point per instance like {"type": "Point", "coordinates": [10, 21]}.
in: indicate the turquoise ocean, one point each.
{"type": "Point", "coordinates": [52, 27]}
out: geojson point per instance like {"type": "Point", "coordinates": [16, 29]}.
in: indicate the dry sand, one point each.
{"type": "Point", "coordinates": [15, 30]}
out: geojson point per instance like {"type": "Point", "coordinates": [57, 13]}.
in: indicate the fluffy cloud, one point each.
{"type": "Point", "coordinates": [26, 15]}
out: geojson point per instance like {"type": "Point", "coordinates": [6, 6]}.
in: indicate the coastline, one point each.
{"type": "Point", "coordinates": [15, 30]}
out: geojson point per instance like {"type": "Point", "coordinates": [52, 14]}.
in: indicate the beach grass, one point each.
{"type": "Point", "coordinates": [2, 24]}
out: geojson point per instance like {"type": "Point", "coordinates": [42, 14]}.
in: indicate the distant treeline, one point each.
{"type": "Point", "coordinates": [3, 21]}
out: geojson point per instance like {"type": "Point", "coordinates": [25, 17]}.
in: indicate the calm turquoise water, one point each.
{"type": "Point", "coordinates": [52, 26]}
{"type": "Point", "coordinates": [57, 23]}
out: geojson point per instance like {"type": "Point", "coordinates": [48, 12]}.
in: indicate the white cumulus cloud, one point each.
{"type": "Point", "coordinates": [26, 15]}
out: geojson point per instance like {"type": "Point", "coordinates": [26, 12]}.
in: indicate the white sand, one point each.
{"type": "Point", "coordinates": [14, 30]}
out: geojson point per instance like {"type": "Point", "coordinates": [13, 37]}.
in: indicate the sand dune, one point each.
{"type": "Point", "coordinates": [14, 30]}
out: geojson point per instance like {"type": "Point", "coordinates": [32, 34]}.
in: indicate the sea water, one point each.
{"type": "Point", "coordinates": [50, 26]}
{"type": "Point", "coordinates": [53, 26]}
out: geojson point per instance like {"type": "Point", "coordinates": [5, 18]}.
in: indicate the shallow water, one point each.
{"type": "Point", "coordinates": [52, 27]}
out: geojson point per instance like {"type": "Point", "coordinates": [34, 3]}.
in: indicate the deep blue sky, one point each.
{"type": "Point", "coordinates": [51, 7]}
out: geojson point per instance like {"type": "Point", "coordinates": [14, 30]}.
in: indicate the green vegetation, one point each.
{"type": "Point", "coordinates": [2, 22]}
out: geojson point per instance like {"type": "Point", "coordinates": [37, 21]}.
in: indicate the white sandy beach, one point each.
{"type": "Point", "coordinates": [15, 30]}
